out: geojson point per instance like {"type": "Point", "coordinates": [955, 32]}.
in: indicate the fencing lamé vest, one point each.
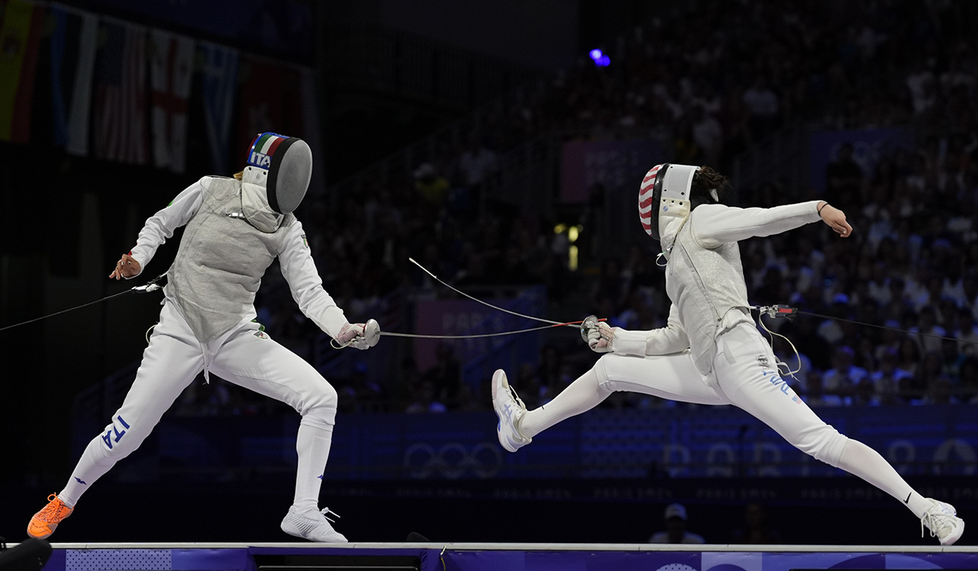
{"type": "Point", "coordinates": [704, 285]}
{"type": "Point", "coordinates": [220, 262]}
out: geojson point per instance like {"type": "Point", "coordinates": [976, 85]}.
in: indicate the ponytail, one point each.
{"type": "Point", "coordinates": [706, 182]}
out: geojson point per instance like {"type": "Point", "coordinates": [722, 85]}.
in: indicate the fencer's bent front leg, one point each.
{"type": "Point", "coordinates": [258, 363]}
{"type": "Point", "coordinates": [670, 377]}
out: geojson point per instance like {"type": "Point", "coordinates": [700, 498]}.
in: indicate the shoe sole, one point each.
{"type": "Point", "coordinates": [498, 378]}
{"type": "Point", "coordinates": [291, 529]}
{"type": "Point", "coordinates": [51, 528]}
{"type": "Point", "coordinates": [499, 383]}
{"type": "Point", "coordinates": [43, 536]}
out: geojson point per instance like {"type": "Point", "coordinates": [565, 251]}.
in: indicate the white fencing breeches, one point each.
{"type": "Point", "coordinates": [246, 357]}
{"type": "Point", "coordinates": [745, 371]}
{"type": "Point", "coordinates": [744, 375]}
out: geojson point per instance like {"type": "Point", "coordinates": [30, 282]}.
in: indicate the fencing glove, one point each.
{"type": "Point", "coordinates": [359, 335]}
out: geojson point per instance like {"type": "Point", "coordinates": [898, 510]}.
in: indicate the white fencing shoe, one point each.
{"type": "Point", "coordinates": [314, 526]}
{"type": "Point", "coordinates": [510, 410]}
{"type": "Point", "coordinates": [942, 521]}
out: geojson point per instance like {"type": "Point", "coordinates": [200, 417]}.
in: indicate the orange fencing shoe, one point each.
{"type": "Point", "coordinates": [44, 522]}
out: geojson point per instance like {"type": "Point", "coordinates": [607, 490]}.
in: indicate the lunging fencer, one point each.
{"type": "Point", "coordinates": [235, 228]}
{"type": "Point", "coordinates": [710, 351]}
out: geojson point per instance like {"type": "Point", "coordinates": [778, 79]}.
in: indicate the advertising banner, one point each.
{"type": "Point", "coordinates": [612, 164]}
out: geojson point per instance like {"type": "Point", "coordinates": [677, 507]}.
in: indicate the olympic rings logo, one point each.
{"type": "Point", "coordinates": [452, 460]}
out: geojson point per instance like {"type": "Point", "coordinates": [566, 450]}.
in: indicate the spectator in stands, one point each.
{"type": "Point", "coordinates": [401, 392]}
{"type": "Point", "coordinates": [865, 394]}
{"type": "Point", "coordinates": [684, 146]}
{"type": "Point", "coordinates": [432, 186]}
{"type": "Point", "coordinates": [844, 178]}
{"type": "Point", "coordinates": [910, 357]}
{"type": "Point", "coordinates": [610, 286]}
{"type": "Point", "coordinates": [757, 529]}
{"type": "Point", "coordinates": [476, 164]}
{"type": "Point", "coordinates": [928, 332]}
{"type": "Point", "coordinates": [815, 394]}
{"type": "Point", "coordinates": [940, 390]}
{"type": "Point", "coordinates": [365, 394]}
{"type": "Point", "coordinates": [707, 134]}
{"type": "Point", "coordinates": [888, 340]}
{"type": "Point", "coordinates": [551, 373]}
{"type": "Point", "coordinates": [888, 375]}
{"type": "Point", "coordinates": [921, 83]}
{"type": "Point", "coordinates": [970, 285]}
{"type": "Point", "coordinates": [425, 398]}
{"type": "Point", "coordinates": [675, 519]}
{"type": "Point", "coordinates": [968, 388]}
{"type": "Point", "coordinates": [967, 333]}
{"type": "Point", "coordinates": [762, 107]}
{"type": "Point", "coordinates": [445, 375]}
{"type": "Point", "coordinates": [844, 376]}
{"type": "Point", "coordinates": [831, 330]}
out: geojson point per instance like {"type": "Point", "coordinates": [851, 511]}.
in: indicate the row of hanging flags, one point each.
{"type": "Point", "coordinates": [102, 87]}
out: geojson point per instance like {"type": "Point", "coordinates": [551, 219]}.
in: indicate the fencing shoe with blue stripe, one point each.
{"type": "Point", "coordinates": [510, 410]}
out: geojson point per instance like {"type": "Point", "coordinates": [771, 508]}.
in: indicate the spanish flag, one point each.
{"type": "Point", "coordinates": [20, 33]}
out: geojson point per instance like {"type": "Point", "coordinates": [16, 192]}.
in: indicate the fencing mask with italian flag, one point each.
{"type": "Point", "coordinates": [282, 166]}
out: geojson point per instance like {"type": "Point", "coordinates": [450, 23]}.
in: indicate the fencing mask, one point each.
{"type": "Point", "coordinates": [665, 195]}
{"type": "Point", "coordinates": [282, 166]}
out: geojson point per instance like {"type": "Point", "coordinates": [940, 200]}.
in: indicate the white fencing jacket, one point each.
{"type": "Point", "coordinates": [231, 238]}
{"type": "Point", "coordinates": [705, 277]}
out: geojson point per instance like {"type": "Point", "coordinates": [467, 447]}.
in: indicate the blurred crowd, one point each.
{"type": "Point", "coordinates": [708, 81]}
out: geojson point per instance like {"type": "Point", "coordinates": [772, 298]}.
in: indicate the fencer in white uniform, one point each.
{"type": "Point", "coordinates": [235, 228]}
{"type": "Point", "coordinates": [710, 352]}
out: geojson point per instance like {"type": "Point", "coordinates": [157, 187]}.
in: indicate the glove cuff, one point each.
{"type": "Point", "coordinates": [332, 321]}
{"type": "Point", "coordinates": [628, 342]}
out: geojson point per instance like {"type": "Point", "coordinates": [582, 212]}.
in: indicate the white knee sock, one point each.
{"type": "Point", "coordinates": [582, 395]}
{"type": "Point", "coordinates": [868, 464]}
{"type": "Point", "coordinates": [312, 444]}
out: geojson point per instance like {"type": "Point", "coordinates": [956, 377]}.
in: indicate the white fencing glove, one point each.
{"type": "Point", "coordinates": [597, 334]}
{"type": "Point", "coordinates": [359, 335]}
{"type": "Point", "coordinates": [603, 338]}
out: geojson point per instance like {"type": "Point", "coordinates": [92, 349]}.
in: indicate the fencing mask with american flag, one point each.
{"type": "Point", "coordinates": [665, 194]}
{"type": "Point", "coordinates": [282, 166]}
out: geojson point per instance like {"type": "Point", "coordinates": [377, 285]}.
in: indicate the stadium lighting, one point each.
{"type": "Point", "coordinates": [599, 59]}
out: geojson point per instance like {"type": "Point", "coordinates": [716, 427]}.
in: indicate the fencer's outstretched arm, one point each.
{"type": "Point", "coordinates": [715, 224]}
{"type": "Point", "coordinates": [660, 341]}
{"type": "Point", "coordinates": [160, 226]}
{"type": "Point", "coordinates": [299, 270]}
